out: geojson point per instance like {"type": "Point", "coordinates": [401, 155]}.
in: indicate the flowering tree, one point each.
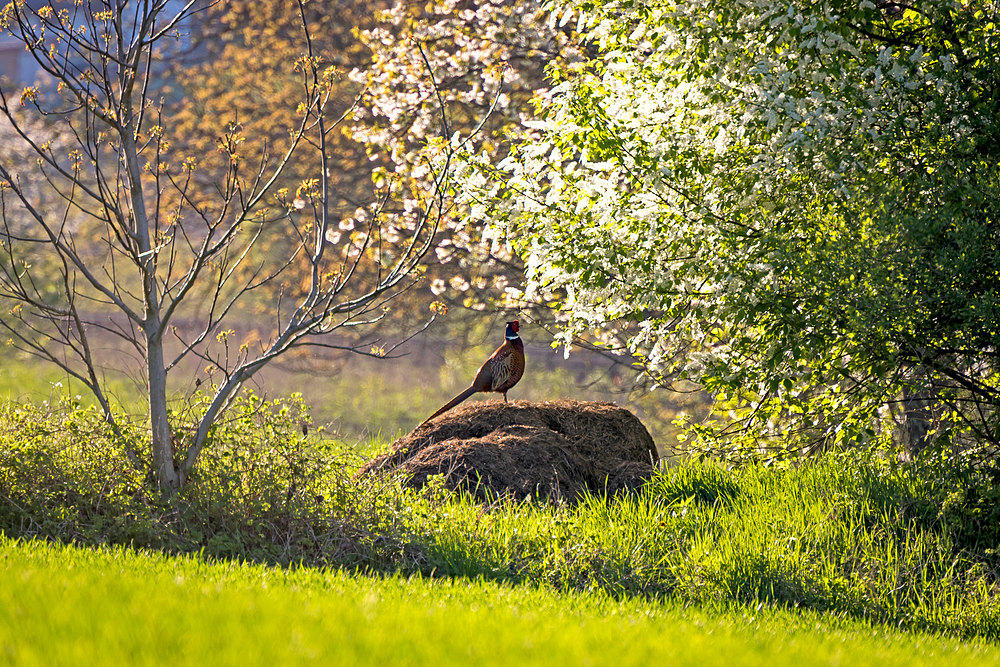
{"type": "Point", "coordinates": [142, 238]}
{"type": "Point", "coordinates": [473, 48]}
{"type": "Point", "coordinates": [795, 205]}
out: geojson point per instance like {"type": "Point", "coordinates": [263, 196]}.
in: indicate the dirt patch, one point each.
{"type": "Point", "coordinates": [557, 449]}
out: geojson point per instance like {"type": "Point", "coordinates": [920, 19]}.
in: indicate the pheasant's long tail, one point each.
{"type": "Point", "coordinates": [452, 403]}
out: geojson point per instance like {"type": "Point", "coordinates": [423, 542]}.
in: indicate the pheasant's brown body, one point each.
{"type": "Point", "coordinates": [498, 374]}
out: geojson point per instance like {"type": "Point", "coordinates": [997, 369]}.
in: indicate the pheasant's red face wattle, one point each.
{"type": "Point", "coordinates": [515, 326]}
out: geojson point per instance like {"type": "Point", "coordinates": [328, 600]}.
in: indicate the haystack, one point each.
{"type": "Point", "coordinates": [557, 450]}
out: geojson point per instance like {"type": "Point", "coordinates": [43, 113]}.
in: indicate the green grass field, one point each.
{"type": "Point", "coordinates": [83, 606]}
{"type": "Point", "coordinates": [358, 397]}
{"type": "Point", "coordinates": [282, 556]}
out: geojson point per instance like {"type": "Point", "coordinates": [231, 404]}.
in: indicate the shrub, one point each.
{"type": "Point", "coordinates": [267, 489]}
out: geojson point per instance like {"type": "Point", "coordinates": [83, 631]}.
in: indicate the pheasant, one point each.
{"type": "Point", "coordinates": [499, 373]}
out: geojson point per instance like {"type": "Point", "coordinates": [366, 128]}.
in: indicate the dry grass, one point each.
{"type": "Point", "coordinates": [554, 449]}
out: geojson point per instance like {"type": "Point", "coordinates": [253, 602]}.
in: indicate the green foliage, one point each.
{"type": "Point", "coordinates": [966, 500]}
{"type": "Point", "coordinates": [266, 491]}
{"type": "Point", "coordinates": [64, 472]}
{"type": "Point", "coordinates": [795, 205]}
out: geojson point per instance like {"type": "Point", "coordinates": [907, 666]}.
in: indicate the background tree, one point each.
{"type": "Point", "coordinates": [141, 241]}
{"type": "Point", "coordinates": [235, 65]}
{"type": "Point", "coordinates": [795, 206]}
{"type": "Point", "coordinates": [471, 46]}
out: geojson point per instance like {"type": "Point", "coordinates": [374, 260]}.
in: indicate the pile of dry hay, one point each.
{"type": "Point", "coordinates": [557, 450]}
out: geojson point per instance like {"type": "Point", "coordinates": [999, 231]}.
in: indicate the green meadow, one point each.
{"type": "Point", "coordinates": [276, 553]}
{"type": "Point", "coordinates": [68, 605]}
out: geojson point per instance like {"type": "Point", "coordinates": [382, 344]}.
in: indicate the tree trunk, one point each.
{"type": "Point", "coordinates": [167, 476]}
{"type": "Point", "coordinates": [917, 418]}
{"type": "Point", "coordinates": [918, 415]}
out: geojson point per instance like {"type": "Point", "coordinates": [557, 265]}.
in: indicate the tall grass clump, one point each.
{"type": "Point", "coordinates": [852, 535]}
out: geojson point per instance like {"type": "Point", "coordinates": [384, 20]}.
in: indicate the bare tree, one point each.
{"type": "Point", "coordinates": [141, 238]}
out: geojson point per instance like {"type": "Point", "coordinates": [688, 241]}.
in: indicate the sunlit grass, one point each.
{"type": "Point", "coordinates": [25, 379]}
{"type": "Point", "coordinates": [64, 605]}
{"type": "Point", "coordinates": [859, 538]}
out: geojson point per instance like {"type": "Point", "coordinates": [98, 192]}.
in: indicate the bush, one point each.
{"type": "Point", "coordinates": [265, 490]}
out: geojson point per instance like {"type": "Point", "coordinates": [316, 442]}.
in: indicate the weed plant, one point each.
{"type": "Point", "coordinates": [849, 535]}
